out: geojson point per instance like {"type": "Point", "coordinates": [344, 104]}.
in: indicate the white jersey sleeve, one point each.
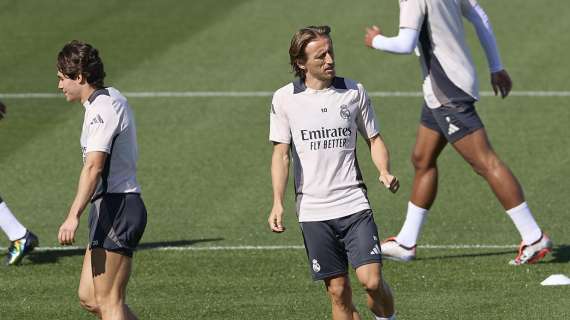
{"type": "Point", "coordinates": [104, 125]}
{"type": "Point", "coordinates": [279, 128]}
{"type": "Point", "coordinates": [404, 43]}
{"type": "Point", "coordinates": [366, 118]}
{"type": "Point", "coordinates": [473, 12]}
{"type": "Point", "coordinates": [412, 14]}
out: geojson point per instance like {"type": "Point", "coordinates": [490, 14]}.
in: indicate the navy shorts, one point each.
{"type": "Point", "coordinates": [117, 222]}
{"type": "Point", "coordinates": [454, 122]}
{"type": "Point", "coordinates": [332, 244]}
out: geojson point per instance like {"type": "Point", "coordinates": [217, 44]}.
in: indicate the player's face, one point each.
{"type": "Point", "coordinates": [320, 59]}
{"type": "Point", "coordinates": [71, 88]}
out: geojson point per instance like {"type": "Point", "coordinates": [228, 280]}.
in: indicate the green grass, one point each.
{"type": "Point", "coordinates": [204, 162]}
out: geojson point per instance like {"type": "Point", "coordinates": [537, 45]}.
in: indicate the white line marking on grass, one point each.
{"type": "Point", "coordinates": [259, 248]}
{"type": "Point", "coordinates": [253, 94]}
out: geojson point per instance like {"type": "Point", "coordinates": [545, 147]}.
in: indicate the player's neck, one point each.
{"type": "Point", "coordinates": [87, 92]}
{"type": "Point", "coordinates": [317, 84]}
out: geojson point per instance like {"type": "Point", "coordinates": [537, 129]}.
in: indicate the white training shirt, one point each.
{"type": "Point", "coordinates": [321, 127]}
{"type": "Point", "coordinates": [109, 127]}
{"type": "Point", "coordinates": [442, 34]}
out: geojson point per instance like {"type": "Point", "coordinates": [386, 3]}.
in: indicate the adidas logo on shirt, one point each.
{"type": "Point", "coordinates": [452, 128]}
{"type": "Point", "coordinates": [97, 119]}
{"type": "Point", "coordinates": [376, 250]}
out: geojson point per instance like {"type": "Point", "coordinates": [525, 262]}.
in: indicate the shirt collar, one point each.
{"type": "Point", "coordinates": [94, 95]}
{"type": "Point", "coordinates": [299, 85]}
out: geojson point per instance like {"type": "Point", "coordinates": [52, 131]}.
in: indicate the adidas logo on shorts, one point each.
{"type": "Point", "coordinates": [452, 128]}
{"type": "Point", "coordinates": [376, 250]}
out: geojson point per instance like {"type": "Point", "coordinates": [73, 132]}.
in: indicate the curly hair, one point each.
{"type": "Point", "coordinates": [299, 42]}
{"type": "Point", "coordinates": [80, 58]}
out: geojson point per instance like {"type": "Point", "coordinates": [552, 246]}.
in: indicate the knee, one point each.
{"type": "Point", "coordinates": [340, 294]}
{"type": "Point", "coordinates": [421, 162]}
{"type": "Point", "coordinates": [486, 165]}
{"type": "Point", "coordinates": [372, 284]}
{"type": "Point", "coordinates": [88, 303]}
{"type": "Point", "coordinates": [108, 302]}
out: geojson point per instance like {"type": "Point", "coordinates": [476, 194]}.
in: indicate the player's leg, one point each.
{"type": "Point", "coordinates": [429, 144]}
{"type": "Point", "coordinates": [476, 149]}
{"type": "Point", "coordinates": [379, 295]}
{"type": "Point", "coordinates": [117, 223]}
{"type": "Point", "coordinates": [111, 273]}
{"type": "Point", "coordinates": [86, 291]}
{"type": "Point", "coordinates": [21, 240]}
{"type": "Point", "coordinates": [361, 242]}
{"type": "Point", "coordinates": [13, 229]}
{"type": "Point", "coordinates": [328, 262]}
{"type": "Point", "coordinates": [340, 294]}
{"type": "Point", "coordinates": [428, 147]}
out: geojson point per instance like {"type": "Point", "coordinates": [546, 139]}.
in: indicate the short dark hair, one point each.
{"type": "Point", "coordinates": [80, 58]}
{"type": "Point", "coordinates": [299, 42]}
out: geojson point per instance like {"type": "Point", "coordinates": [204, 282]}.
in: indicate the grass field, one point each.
{"type": "Point", "coordinates": [204, 161]}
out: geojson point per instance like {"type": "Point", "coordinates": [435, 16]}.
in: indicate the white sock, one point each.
{"type": "Point", "coordinates": [410, 231]}
{"type": "Point", "coordinates": [9, 224]}
{"type": "Point", "coordinates": [525, 223]}
{"type": "Point", "coordinates": [393, 317]}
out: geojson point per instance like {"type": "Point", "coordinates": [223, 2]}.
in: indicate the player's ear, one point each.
{"type": "Point", "coordinates": [81, 79]}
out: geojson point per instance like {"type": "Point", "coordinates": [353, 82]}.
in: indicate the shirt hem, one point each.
{"type": "Point", "coordinates": [320, 217]}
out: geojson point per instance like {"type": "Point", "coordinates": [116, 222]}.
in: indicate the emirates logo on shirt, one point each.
{"type": "Point", "coordinates": [326, 138]}
{"type": "Point", "coordinates": [344, 112]}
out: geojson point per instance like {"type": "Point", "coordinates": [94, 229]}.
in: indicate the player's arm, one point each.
{"type": "Point", "coordinates": [279, 176]}
{"type": "Point", "coordinates": [412, 15]}
{"type": "Point", "coordinates": [500, 79]}
{"type": "Point", "coordinates": [381, 159]}
{"type": "Point", "coordinates": [404, 43]}
{"type": "Point", "coordinates": [88, 180]}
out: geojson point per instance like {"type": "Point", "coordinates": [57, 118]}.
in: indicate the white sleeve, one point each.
{"type": "Point", "coordinates": [366, 118]}
{"type": "Point", "coordinates": [404, 43]}
{"type": "Point", "coordinates": [104, 125]}
{"type": "Point", "coordinates": [412, 14]}
{"type": "Point", "coordinates": [475, 14]}
{"type": "Point", "coordinates": [279, 128]}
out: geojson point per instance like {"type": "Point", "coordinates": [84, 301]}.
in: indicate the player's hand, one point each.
{"type": "Point", "coordinates": [276, 219]}
{"type": "Point", "coordinates": [2, 110]}
{"type": "Point", "coordinates": [501, 82]}
{"type": "Point", "coordinates": [66, 235]}
{"type": "Point", "coordinates": [370, 34]}
{"type": "Point", "coordinates": [390, 182]}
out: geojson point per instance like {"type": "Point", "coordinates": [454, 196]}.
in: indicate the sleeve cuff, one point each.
{"type": "Point", "coordinates": [98, 149]}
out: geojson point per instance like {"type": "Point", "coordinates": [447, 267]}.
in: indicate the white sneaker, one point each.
{"type": "Point", "coordinates": [529, 254]}
{"type": "Point", "coordinates": [392, 250]}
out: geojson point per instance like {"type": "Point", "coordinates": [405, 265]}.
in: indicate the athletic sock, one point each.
{"type": "Point", "coordinates": [526, 225]}
{"type": "Point", "coordinates": [410, 231]}
{"type": "Point", "coordinates": [393, 317]}
{"type": "Point", "coordinates": [9, 224]}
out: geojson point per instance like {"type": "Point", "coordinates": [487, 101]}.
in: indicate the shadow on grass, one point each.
{"type": "Point", "coordinates": [561, 254]}
{"type": "Point", "coordinates": [467, 255]}
{"type": "Point", "coordinates": [52, 256]}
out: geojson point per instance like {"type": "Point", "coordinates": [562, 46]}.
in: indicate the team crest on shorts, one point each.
{"type": "Point", "coordinates": [344, 112]}
{"type": "Point", "coordinates": [316, 266]}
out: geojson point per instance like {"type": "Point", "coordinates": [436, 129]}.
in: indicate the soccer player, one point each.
{"type": "Point", "coordinates": [450, 89]}
{"type": "Point", "coordinates": [315, 120]}
{"type": "Point", "coordinates": [22, 241]}
{"type": "Point", "coordinates": [117, 217]}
